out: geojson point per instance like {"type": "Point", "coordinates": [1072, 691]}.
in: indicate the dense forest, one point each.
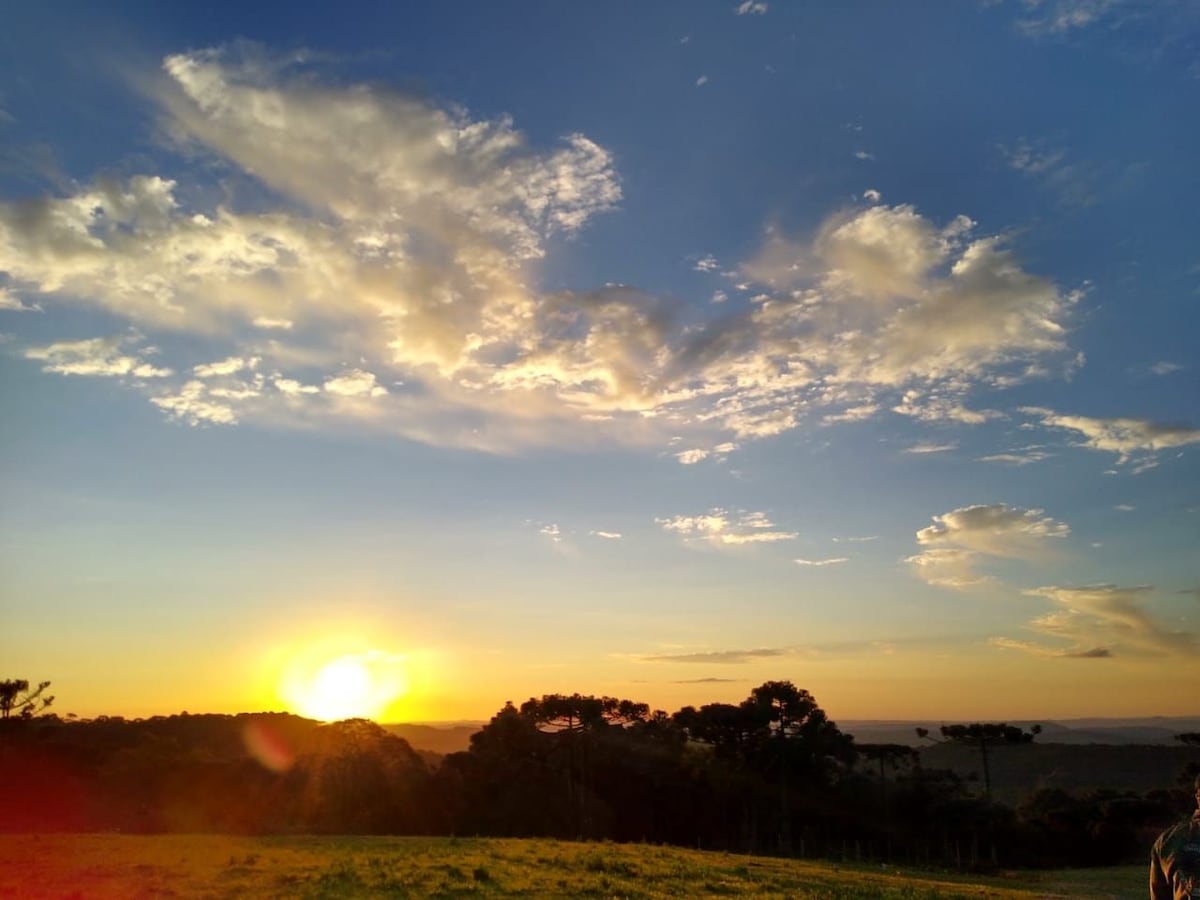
{"type": "Point", "coordinates": [769, 775]}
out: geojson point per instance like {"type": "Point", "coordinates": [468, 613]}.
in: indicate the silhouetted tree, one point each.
{"type": "Point", "coordinates": [16, 696]}
{"type": "Point", "coordinates": [983, 735]}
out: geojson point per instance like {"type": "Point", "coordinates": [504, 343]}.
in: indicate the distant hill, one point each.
{"type": "Point", "coordinates": [441, 739]}
{"type": "Point", "coordinates": [451, 737]}
{"type": "Point", "coordinates": [1124, 732]}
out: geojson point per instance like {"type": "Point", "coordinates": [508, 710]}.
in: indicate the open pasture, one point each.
{"type": "Point", "coordinates": [214, 866]}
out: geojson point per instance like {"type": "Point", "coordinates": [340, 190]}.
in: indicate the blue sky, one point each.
{"type": "Point", "coordinates": [651, 352]}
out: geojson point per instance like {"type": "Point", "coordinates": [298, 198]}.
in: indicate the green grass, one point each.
{"type": "Point", "coordinates": [213, 866]}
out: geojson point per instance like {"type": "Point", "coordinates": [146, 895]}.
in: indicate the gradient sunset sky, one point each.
{"type": "Point", "coordinates": [652, 350]}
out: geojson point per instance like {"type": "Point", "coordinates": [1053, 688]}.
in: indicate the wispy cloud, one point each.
{"type": "Point", "coordinates": [931, 448]}
{"type": "Point", "coordinates": [1073, 182]}
{"type": "Point", "coordinates": [1133, 440]}
{"type": "Point", "coordinates": [1103, 620]}
{"type": "Point", "coordinates": [719, 657]}
{"type": "Point", "coordinates": [751, 8]}
{"type": "Point", "coordinates": [833, 561]}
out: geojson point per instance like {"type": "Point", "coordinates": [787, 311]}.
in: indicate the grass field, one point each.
{"type": "Point", "coordinates": [126, 866]}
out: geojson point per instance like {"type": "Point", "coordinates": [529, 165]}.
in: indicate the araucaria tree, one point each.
{"type": "Point", "coordinates": [984, 735]}
{"type": "Point", "coordinates": [19, 699]}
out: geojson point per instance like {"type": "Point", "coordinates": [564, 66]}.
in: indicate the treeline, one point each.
{"type": "Point", "coordinates": [769, 775]}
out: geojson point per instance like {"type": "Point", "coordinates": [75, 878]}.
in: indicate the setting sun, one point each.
{"type": "Point", "coordinates": [361, 685]}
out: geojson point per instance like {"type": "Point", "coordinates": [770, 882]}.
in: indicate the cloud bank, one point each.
{"type": "Point", "coordinates": [390, 278]}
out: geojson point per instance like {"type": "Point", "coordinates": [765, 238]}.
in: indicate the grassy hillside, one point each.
{"type": "Point", "coordinates": [122, 866]}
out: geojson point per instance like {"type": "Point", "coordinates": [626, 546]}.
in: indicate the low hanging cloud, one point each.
{"type": "Point", "coordinates": [409, 237]}
{"type": "Point", "coordinates": [959, 541]}
{"type": "Point", "coordinates": [722, 527]}
{"type": "Point", "coordinates": [1135, 441]}
{"type": "Point", "coordinates": [1099, 621]}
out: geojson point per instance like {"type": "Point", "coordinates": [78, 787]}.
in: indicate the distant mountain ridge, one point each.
{"type": "Point", "coordinates": [1150, 730]}
{"type": "Point", "coordinates": [451, 737]}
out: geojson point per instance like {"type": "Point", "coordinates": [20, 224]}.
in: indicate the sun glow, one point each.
{"type": "Point", "coordinates": [353, 685]}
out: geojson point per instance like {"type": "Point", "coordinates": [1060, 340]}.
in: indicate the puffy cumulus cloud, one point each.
{"type": "Point", "coordinates": [99, 357]}
{"type": "Point", "coordinates": [355, 383]}
{"type": "Point", "coordinates": [996, 529]}
{"type": "Point", "coordinates": [1133, 440]}
{"type": "Point", "coordinates": [1099, 621]}
{"type": "Point", "coordinates": [958, 541]}
{"type": "Point", "coordinates": [691, 457]}
{"type": "Point", "coordinates": [719, 526]}
{"type": "Point", "coordinates": [408, 237]}
{"type": "Point", "coordinates": [882, 302]}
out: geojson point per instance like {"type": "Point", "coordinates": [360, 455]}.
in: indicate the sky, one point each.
{"type": "Point", "coordinates": [405, 359]}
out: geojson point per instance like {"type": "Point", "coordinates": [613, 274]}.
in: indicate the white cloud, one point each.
{"type": "Point", "coordinates": [1133, 440]}
{"type": "Point", "coordinates": [872, 195]}
{"type": "Point", "coordinates": [707, 264]}
{"type": "Point", "coordinates": [1166, 368]}
{"type": "Point", "coordinates": [701, 81]}
{"type": "Point", "coordinates": [833, 561]}
{"type": "Point", "coordinates": [691, 457]}
{"type": "Point", "coordinates": [291, 387]}
{"type": "Point", "coordinates": [858, 413]}
{"type": "Point", "coordinates": [959, 540]}
{"type": "Point", "coordinates": [98, 357]}
{"type": "Point", "coordinates": [863, 155]}
{"type": "Point", "coordinates": [267, 322]}
{"type": "Point", "coordinates": [1124, 507]}
{"type": "Point", "coordinates": [607, 535]}
{"type": "Point", "coordinates": [862, 539]}
{"type": "Point", "coordinates": [227, 366]}
{"type": "Point", "coordinates": [552, 532]}
{"type": "Point", "coordinates": [719, 297]}
{"type": "Point", "coordinates": [751, 8]}
{"type": "Point", "coordinates": [719, 526]}
{"type": "Point", "coordinates": [355, 383]}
